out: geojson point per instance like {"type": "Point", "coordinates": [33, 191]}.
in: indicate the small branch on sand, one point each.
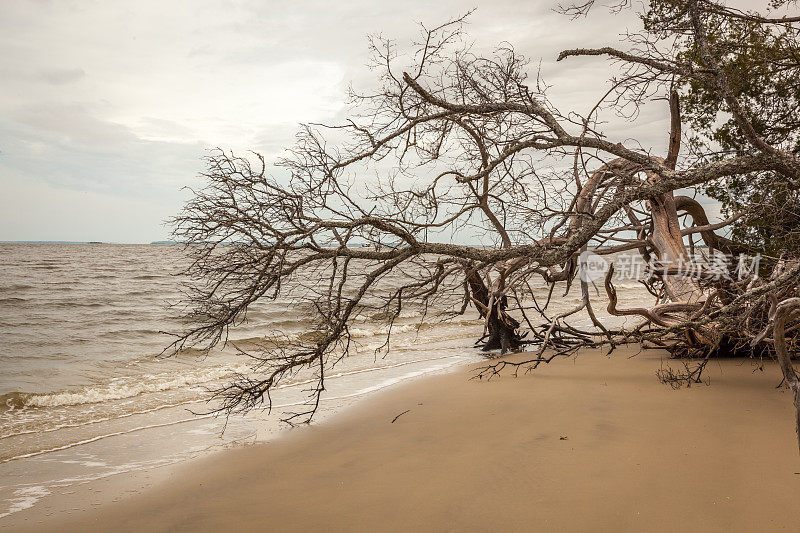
{"type": "Point", "coordinates": [398, 416]}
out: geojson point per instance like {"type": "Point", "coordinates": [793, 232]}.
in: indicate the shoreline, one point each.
{"type": "Point", "coordinates": [590, 442]}
{"type": "Point", "coordinates": [153, 440]}
{"type": "Point", "coordinates": [39, 504]}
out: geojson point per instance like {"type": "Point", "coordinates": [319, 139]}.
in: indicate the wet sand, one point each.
{"type": "Point", "coordinates": [592, 443]}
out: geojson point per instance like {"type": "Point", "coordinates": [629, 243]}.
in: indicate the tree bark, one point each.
{"type": "Point", "coordinates": [501, 328]}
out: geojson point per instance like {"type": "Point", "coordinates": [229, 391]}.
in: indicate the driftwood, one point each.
{"type": "Point", "coordinates": [462, 142]}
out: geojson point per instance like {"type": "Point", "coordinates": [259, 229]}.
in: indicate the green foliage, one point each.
{"type": "Point", "coordinates": [762, 65]}
{"type": "Point", "coordinates": [772, 219]}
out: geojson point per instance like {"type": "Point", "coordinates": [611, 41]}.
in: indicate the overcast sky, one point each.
{"type": "Point", "coordinates": [107, 107]}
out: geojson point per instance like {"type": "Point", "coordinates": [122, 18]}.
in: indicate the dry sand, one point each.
{"type": "Point", "coordinates": [587, 444]}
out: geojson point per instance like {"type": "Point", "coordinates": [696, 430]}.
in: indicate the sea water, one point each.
{"type": "Point", "coordinates": [86, 390]}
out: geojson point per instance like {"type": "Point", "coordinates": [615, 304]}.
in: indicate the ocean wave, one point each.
{"type": "Point", "coordinates": [127, 333]}
{"type": "Point", "coordinates": [17, 287]}
{"type": "Point", "coordinates": [104, 436]}
{"type": "Point", "coordinates": [122, 388]}
{"type": "Point", "coordinates": [97, 420]}
{"type": "Point", "coordinates": [14, 400]}
{"type": "Point", "coordinates": [364, 329]}
{"type": "Point", "coordinates": [190, 352]}
{"type": "Point", "coordinates": [130, 387]}
{"type": "Point", "coordinates": [20, 399]}
{"type": "Point", "coordinates": [12, 300]}
{"type": "Point", "coordinates": [383, 330]}
{"type": "Point", "coordinates": [77, 304]}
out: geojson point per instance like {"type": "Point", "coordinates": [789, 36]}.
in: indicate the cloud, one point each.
{"type": "Point", "coordinates": [116, 102]}
{"type": "Point", "coordinates": [67, 148]}
{"type": "Point", "coordinates": [60, 76]}
{"type": "Point", "coordinates": [70, 124]}
{"type": "Point", "coordinates": [40, 211]}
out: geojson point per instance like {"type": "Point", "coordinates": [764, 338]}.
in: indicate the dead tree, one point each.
{"type": "Point", "coordinates": [458, 141]}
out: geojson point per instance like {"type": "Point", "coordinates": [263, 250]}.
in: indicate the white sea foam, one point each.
{"type": "Point", "coordinates": [105, 436]}
{"type": "Point", "coordinates": [64, 396]}
{"type": "Point", "coordinates": [98, 420]}
{"type": "Point", "coordinates": [130, 387]}
{"type": "Point", "coordinates": [383, 330]}
{"type": "Point", "coordinates": [24, 498]}
{"type": "Point", "coordinates": [361, 332]}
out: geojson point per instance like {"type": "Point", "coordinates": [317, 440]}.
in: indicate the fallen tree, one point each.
{"type": "Point", "coordinates": [463, 142]}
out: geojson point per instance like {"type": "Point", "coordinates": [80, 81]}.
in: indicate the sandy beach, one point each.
{"type": "Point", "coordinates": [260, 262]}
{"type": "Point", "coordinates": [592, 443]}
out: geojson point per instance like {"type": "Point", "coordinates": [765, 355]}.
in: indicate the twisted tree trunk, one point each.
{"type": "Point", "coordinates": [501, 328]}
{"type": "Point", "coordinates": [783, 311]}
